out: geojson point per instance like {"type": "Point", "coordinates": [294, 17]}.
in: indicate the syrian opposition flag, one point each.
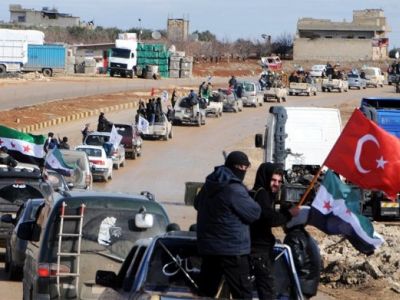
{"type": "Point", "coordinates": [367, 156]}
{"type": "Point", "coordinates": [336, 211]}
{"type": "Point", "coordinates": [55, 161]}
{"type": "Point", "coordinates": [23, 147]}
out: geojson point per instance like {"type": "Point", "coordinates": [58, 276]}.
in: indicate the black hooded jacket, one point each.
{"type": "Point", "coordinates": [262, 239]}
{"type": "Point", "coordinates": [224, 212]}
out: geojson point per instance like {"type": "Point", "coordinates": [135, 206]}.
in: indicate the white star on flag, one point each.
{"type": "Point", "coordinates": [381, 163]}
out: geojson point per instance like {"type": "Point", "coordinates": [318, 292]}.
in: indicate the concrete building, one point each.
{"type": "Point", "coordinates": [177, 30]}
{"type": "Point", "coordinates": [44, 18]}
{"type": "Point", "coordinates": [364, 38]}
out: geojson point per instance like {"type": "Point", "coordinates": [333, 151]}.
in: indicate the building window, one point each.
{"type": "Point", "coordinates": [328, 36]}
{"type": "Point", "coordinates": [361, 37]}
{"type": "Point", "coordinates": [21, 19]}
{"type": "Point", "coordinates": [349, 37]}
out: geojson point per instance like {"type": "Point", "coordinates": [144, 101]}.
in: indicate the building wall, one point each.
{"type": "Point", "coordinates": [177, 29]}
{"type": "Point", "coordinates": [337, 50]}
{"type": "Point", "coordinates": [36, 18]}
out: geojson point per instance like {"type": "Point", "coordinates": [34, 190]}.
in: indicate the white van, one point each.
{"type": "Point", "coordinates": [374, 76]}
{"type": "Point", "coordinates": [304, 135]}
{"type": "Point", "coordinates": [299, 139]}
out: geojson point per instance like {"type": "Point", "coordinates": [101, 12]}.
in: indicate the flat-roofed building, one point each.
{"type": "Point", "coordinates": [364, 38]}
{"type": "Point", "coordinates": [43, 18]}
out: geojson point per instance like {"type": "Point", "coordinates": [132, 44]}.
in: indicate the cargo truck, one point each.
{"type": "Point", "coordinates": [385, 112]}
{"type": "Point", "coordinates": [47, 59]}
{"type": "Point", "coordinates": [13, 54]}
{"type": "Point", "coordinates": [123, 58]}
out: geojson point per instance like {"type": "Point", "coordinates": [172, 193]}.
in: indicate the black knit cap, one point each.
{"type": "Point", "coordinates": [237, 158]}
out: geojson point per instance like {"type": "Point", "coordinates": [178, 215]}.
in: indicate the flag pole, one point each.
{"type": "Point", "coordinates": [312, 183]}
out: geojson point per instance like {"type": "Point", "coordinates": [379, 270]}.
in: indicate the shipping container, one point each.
{"type": "Point", "coordinates": [48, 59]}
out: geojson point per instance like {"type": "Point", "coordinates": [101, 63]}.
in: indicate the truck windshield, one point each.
{"type": "Point", "coordinates": [119, 52]}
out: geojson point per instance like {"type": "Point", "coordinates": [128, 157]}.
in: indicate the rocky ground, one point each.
{"type": "Point", "coordinates": [346, 274]}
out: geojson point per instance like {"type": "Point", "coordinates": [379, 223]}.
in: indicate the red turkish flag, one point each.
{"type": "Point", "coordinates": [367, 155]}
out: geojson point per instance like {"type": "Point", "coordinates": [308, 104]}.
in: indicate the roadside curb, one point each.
{"type": "Point", "coordinates": [77, 116]}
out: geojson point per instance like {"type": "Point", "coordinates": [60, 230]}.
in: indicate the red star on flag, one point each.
{"type": "Point", "coordinates": [327, 205]}
{"type": "Point", "coordinates": [27, 148]}
{"type": "Point", "coordinates": [13, 145]}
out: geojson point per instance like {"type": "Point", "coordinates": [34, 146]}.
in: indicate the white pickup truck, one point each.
{"type": "Point", "coordinates": [277, 93]}
{"type": "Point", "coordinates": [329, 85]}
{"type": "Point", "coordinates": [162, 128]}
{"type": "Point", "coordinates": [302, 88]}
{"type": "Point", "coordinates": [215, 105]}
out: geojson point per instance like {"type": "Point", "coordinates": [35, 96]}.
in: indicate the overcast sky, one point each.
{"type": "Point", "coordinates": [228, 19]}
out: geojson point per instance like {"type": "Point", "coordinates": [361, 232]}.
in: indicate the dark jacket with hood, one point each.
{"type": "Point", "coordinates": [225, 211]}
{"type": "Point", "coordinates": [307, 258]}
{"type": "Point", "coordinates": [262, 239]}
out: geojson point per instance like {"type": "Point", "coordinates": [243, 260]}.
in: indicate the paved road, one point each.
{"type": "Point", "coordinates": [190, 156]}
{"type": "Point", "coordinates": [23, 93]}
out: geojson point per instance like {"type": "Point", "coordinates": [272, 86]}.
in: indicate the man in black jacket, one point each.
{"type": "Point", "coordinates": [224, 212]}
{"type": "Point", "coordinates": [267, 184]}
{"type": "Point", "coordinates": [305, 251]}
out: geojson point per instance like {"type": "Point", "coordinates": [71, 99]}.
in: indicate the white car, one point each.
{"type": "Point", "coordinates": [101, 165]}
{"type": "Point", "coordinates": [251, 93]}
{"type": "Point", "coordinates": [97, 138]}
{"type": "Point", "coordinates": [318, 70]}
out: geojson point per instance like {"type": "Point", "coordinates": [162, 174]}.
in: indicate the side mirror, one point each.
{"type": "Point", "coordinates": [144, 220]}
{"type": "Point", "coordinates": [29, 231]}
{"type": "Point", "coordinates": [106, 278]}
{"type": "Point", "coordinates": [258, 140]}
{"type": "Point", "coordinates": [7, 218]}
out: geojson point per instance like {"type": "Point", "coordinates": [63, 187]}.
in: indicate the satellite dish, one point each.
{"type": "Point", "coordinates": [397, 55]}
{"type": "Point", "coordinates": [156, 35]}
{"type": "Point", "coordinates": [194, 37]}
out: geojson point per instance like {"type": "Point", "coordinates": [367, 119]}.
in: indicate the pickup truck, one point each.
{"type": "Point", "coordinates": [190, 111]}
{"type": "Point", "coordinates": [215, 104]}
{"type": "Point", "coordinates": [168, 267]}
{"type": "Point", "coordinates": [302, 88]}
{"type": "Point", "coordinates": [277, 93]}
{"type": "Point", "coordinates": [162, 128]}
{"type": "Point", "coordinates": [329, 85]}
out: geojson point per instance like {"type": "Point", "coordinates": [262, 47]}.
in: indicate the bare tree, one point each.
{"type": "Point", "coordinates": [283, 45]}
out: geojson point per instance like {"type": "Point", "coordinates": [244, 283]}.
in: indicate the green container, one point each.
{"type": "Point", "coordinates": [159, 47]}
{"type": "Point", "coordinates": [163, 68]}
{"type": "Point", "coordinates": [191, 190]}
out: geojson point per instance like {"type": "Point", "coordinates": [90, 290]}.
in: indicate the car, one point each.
{"type": "Point", "coordinates": [190, 111]}
{"type": "Point", "coordinates": [99, 138]}
{"type": "Point", "coordinates": [131, 140]}
{"type": "Point", "coordinates": [76, 233]}
{"type": "Point", "coordinates": [355, 81]}
{"type": "Point", "coordinates": [57, 180]}
{"type": "Point", "coordinates": [101, 165]}
{"type": "Point", "coordinates": [329, 85]}
{"type": "Point", "coordinates": [251, 93]}
{"type": "Point", "coordinates": [230, 102]}
{"type": "Point", "coordinates": [168, 267]}
{"type": "Point", "coordinates": [318, 71]}
{"type": "Point", "coordinates": [15, 248]}
{"type": "Point", "coordinates": [17, 185]}
{"type": "Point", "coordinates": [161, 129]}
{"type": "Point", "coordinates": [82, 176]}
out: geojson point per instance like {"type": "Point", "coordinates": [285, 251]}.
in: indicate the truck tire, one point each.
{"type": "Point", "coordinates": [170, 134]}
{"type": "Point", "coordinates": [3, 69]}
{"type": "Point", "coordinates": [112, 73]}
{"type": "Point", "coordinates": [47, 72]}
